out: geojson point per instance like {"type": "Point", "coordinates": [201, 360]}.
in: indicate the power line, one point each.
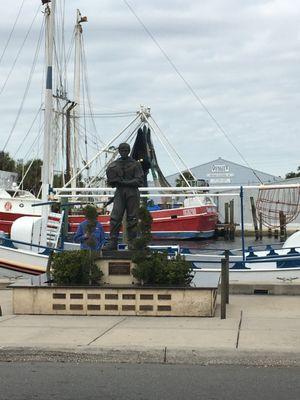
{"type": "Point", "coordinates": [29, 130]}
{"type": "Point", "coordinates": [188, 85]}
{"type": "Point", "coordinates": [12, 31]}
{"type": "Point", "coordinates": [19, 51]}
{"type": "Point", "coordinates": [27, 85]}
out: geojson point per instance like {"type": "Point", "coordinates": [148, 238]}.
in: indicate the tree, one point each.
{"type": "Point", "coordinates": [290, 175]}
{"type": "Point", "coordinates": [180, 182]}
{"type": "Point", "coordinates": [6, 162]}
{"type": "Point", "coordinates": [32, 180]}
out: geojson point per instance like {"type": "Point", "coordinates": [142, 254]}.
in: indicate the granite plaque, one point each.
{"type": "Point", "coordinates": [119, 268]}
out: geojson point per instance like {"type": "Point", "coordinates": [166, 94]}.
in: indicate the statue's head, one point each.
{"type": "Point", "coordinates": [124, 150]}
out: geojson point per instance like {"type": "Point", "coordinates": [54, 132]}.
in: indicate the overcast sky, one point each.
{"type": "Point", "coordinates": [241, 57]}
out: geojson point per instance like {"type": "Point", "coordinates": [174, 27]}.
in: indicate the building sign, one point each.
{"type": "Point", "coordinates": [219, 168]}
{"type": "Point", "coordinates": [220, 173]}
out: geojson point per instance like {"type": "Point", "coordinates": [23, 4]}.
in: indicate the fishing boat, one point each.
{"type": "Point", "coordinates": [28, 219]}
{"type": "Point", "coordinates": [16, 203]}
{"type": "Point", "coordinates": [194, 218]}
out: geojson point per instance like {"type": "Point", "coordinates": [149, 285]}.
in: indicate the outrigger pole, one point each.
{"type": "Point", "coordinates": [48, 145]}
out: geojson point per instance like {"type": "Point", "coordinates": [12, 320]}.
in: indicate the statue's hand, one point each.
{"type": "Point", "coordinates": [129, 182]}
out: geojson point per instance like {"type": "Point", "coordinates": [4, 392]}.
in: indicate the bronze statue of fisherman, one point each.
{"type": "Point", "coordinates": [126, 175]}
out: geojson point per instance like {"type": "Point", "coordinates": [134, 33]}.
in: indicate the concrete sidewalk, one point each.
{"type": "Point", "coordinates": [261, 330]}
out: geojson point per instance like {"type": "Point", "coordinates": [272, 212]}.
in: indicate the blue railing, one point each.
{"type": "Point", "coordinates": [10, 243]}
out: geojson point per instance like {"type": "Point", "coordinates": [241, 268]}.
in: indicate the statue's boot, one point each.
{"type": "Point", "coordinates": [112, 244]}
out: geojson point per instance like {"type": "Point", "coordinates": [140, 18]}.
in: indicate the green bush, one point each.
{"type": "Point", "coordinates": [153, 268]}
{"type": "Point", "coordinates": [75, 268]}
{"type": "Point", "coordinates": [160, 269]}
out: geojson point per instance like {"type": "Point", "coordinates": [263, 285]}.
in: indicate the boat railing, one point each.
{"type": "Point", "coordinates": [237, 261]}
{"type": "Point", "coordinates": [7, 242]}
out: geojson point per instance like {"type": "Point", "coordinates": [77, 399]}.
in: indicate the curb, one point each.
{"type": "Point", "coordinates": [155, 356]}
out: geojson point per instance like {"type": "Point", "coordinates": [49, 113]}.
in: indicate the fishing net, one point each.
{"type": "Point", "coordinates": [278, 206]}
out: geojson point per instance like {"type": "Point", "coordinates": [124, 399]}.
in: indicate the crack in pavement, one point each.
{"type": "Point", "coordinates": [239, 330]}
{"type": "Point", "coordinates": [107, 330]}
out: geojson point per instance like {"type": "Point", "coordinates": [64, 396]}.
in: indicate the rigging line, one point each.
{"type": "Point", "coordinates": [173, 148]}
{"type": "Point", "coordinates": [36, 139]}
{"type": "Point", "coordinates": [29, 130]}
{"type": "Point", "coordinates": [69, 52]}
{"type": "Point", "coordinates": [129, 113]}
{"type": "Point", "coordinates": [19, 51]}
{"type": "Point", "coordinates": [38, 46]}
{"type": "Point", "coordinates": [193, 92]}
{"type": "Point", "coordinates": [109, 143]}
{"type": "Point", "coordinates": [58, 66]}
{"type": "Point", "coordinates": [93, 138]}
{"type": "Point", "coordinates": [87, 82]}
{"type": "Point", "coordinates": [25, 174]}
{"type": "Point", "coordinates": [128, 138]}
{"type": "Point", "coordinates": [109, 116]}
{"type": "Point", "coordinates": [93, 135]}
{"type": "Point", "coordinates": [12, 31]}
{"type": "Point", "coordinates": [168, 152]}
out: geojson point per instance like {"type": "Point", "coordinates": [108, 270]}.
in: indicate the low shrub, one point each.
{"type": "Point", "coordinates": [159, 269]}
{"type": "Point", "coordinates": [155, 268]}
{"type": "Point", "coordinates": [75, 268]}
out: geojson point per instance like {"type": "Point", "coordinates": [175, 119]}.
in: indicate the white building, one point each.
{"type": "Point", "coordinates": [222, 172]}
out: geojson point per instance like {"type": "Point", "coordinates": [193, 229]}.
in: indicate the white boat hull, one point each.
{"type": "Point", "coordinates": [244, 276]}
{"type": "Point", "coordinates": [23, 260]}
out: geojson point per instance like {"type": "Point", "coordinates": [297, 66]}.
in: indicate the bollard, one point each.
{"type": "Point", "coordinates": [0, 312]}
{"type": "Point", "coordinates": [260, 226]}
{"type": "Point", "coordinates": [227, 275]}
{"type": "Point", "coordinates": [231, 220]}
{"type": "Point", "coordinates": [223, 288]}
{"type": "Point", "coordinates": [254, 217]}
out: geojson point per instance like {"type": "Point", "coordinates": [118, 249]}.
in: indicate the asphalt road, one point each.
{"type": "Point", "coordinates": [85, 381]}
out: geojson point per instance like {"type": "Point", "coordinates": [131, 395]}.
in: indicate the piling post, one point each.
{"type": "Point", "coordinates": [231, 220]}
{"type": "Point", "coordinates": [260, 226]}
{"type": "Point", "coordinates": [282, 222]}
{"type": "Point", "coordinates": [223, 288]}
{"type": "Point", "coordinates": [226, 205]}
{"type": "Point", "coordinates": [226, 221]}
{"type": "Point", "coordinates": [254, 217]}
{"type": "Point", "coordinates": [242, 223]}
{"type": "Point", "coordinates": [227, 274]}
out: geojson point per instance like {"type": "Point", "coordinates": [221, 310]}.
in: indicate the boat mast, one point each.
{"type": "Point", "coordinates": [77, 77]}
{"type": "Point", "coordinates": [47, 148]}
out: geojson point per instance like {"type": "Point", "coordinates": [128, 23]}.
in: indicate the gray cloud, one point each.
{"type": "Point", "coordinates": [241, 57]}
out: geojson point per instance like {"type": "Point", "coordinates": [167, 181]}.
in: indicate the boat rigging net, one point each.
{"type": "Point", "coordinates": [278, 206]}
{"type": "Point", "coordinates": [143, 151]}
